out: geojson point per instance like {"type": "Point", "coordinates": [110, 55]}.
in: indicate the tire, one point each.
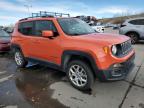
{"type": "Point", "coordinates": [81, 78]}
{"type": "Point", "coordinates": [134, 37]}
{"type": "Point", "coordinates": [19, 59]}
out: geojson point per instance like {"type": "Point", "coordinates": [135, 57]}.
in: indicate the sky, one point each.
{"type": "Point", "coordinates": [13, 10]}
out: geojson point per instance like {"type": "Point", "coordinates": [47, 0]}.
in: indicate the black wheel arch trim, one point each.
{"type": "Point", "coordinates": [15, 46]}
{"type": "Point", "coordinates": [66, 56]}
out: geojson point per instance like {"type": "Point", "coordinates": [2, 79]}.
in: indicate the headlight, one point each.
{"type": "Point", "coordinates": [114, 49]}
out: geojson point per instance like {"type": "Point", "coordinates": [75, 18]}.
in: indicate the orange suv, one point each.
{"type": "Point", "coordinates": [72, 46]}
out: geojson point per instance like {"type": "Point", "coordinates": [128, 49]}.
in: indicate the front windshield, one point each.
{"type": "Point", "coordinates": [73, 26]}
{"type": "Point", "coordinates": [3, 33]}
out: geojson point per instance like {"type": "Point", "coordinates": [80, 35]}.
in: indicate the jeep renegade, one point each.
{"type": "Point", "coordinates": [72, 46]}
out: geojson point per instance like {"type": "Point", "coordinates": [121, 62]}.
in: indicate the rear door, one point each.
{"type": "Point", "coordinates": [143, 28]}
{"type": "Point", "coordinates": [26, 31]}
{"type": "Point", "coordinates": [138, 25]}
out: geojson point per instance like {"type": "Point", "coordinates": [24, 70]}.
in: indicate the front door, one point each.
{"type": "Point", "coordinates": [44, 48]}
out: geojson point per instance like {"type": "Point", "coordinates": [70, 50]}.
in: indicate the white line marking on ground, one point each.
{"type": "Point", "coordinates": [2, 72]}
{"type": "Point", "coordinates": [11, 106]}
{"type": "Point", "coordinates": [5, 78]}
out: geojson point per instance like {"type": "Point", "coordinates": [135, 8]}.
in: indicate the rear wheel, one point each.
{"type": "Point", "coordinates": [80, 75]}
{"type": "Point", "coordinates": [19, 59]}
{"type": "Point", "coordinates": [133, 36]}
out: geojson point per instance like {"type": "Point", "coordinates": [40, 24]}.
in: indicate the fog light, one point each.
{"type": "Point", "coordinates": [116, 73]}
{"type": "Point", "coordinates": [117, 70]}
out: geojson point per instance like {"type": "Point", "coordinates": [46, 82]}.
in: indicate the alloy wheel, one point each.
{"type": "Point", "coordinates": [18, 58]}
{"type": "Point", "coordinates": [77, 75]}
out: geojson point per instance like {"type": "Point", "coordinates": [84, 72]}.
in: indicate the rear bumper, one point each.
{"type": "Point", "coordinates": [117, 73]}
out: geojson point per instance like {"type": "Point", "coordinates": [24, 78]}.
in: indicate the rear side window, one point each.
{"type": "Point", "coordinates": [26, 28]}
{"type": "Point", "coordinates": [137, 22]}
{"type": "Point", "coordinates": [44, 25]}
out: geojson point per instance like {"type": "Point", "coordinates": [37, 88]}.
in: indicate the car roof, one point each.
{"type": "Point", "coordinates": [33, 19]}
{"type": "Point", "coordinates": [45, 18]}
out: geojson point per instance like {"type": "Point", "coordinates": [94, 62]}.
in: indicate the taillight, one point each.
{"type": "Point", "coordinates": [122, 25]}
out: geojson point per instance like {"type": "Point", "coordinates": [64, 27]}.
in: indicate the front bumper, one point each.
{"type": "Point", "coordinates": [117, 73]}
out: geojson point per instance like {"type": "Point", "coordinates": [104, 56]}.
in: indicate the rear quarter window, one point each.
{"type": "Point", "coordinates": [26, 28]}
{"type": "Point", "coordinates": [137, 22]}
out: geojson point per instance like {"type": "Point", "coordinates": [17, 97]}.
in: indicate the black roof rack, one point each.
{"type": "Point", "coordinates": [44, 14]}
{"type": "Point", "coordinates": [49, 14]}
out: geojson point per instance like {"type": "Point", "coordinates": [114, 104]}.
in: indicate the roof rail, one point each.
{"type": "Point", "coordinates": [43, 14]}
{"type": "Point", "coordinates": [49, 14]}
{"type": "Point", "coordinates": [23, 19]}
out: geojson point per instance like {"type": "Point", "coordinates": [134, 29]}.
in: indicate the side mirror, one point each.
{"type": "Point", "coordinates": [47, 33]}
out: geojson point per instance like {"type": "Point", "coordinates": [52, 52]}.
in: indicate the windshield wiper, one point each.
{"type": "Point", "coordinates": [75, 34]}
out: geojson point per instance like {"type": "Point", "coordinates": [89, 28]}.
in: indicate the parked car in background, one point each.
{"type": "Point", "coordinates": [134, 28]}
{"type": "Point", "coordinates": [8, 29]}
{"type": "Point", "coordinates": [92, 21]}
{"type": "Point", "coordinates": [1, 27]}
{"type": "Point", "coordinates": [116, 26]}
{"type": "Point", "coordinates": [109, 25]}
{"type": "Point", "coordinates": [96, 27]}
{"type": "Point", "coordinates": [99, 28]}
{"type": "Point", "coordinates": [4, 41]}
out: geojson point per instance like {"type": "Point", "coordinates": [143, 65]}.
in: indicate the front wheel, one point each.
{"type": "Point", "coordinates": [19, 59]}
{"type": "Point", "coordinates": [80, 75]}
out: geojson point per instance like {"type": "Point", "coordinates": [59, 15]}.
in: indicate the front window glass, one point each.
{"type": "Point", "coordinates": [44, 25]}
{"type": "Point", "coordinates": [73, 26]}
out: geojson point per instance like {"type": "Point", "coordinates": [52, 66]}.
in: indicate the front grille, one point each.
{"type": "Point", "coordinates": [124, 48]}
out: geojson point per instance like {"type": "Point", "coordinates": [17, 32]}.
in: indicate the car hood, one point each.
{"type": "Point", "coordinates": [5, 39]}
{"type": "Point", "coordinates": [104, 38]}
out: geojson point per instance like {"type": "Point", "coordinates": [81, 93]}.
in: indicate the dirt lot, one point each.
{"type": "Point", "coordinates": [41, 87]}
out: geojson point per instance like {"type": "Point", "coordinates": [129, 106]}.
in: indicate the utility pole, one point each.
{"type": "Point", "coordinates": [28, 6]}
